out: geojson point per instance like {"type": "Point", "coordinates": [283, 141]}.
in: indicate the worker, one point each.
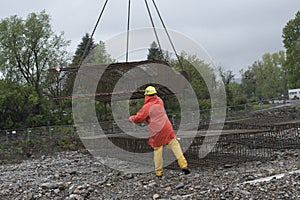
{"type": "Point", "coordinates": [161, 132]}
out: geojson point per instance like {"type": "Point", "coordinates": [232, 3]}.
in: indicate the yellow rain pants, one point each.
{"type": "Point", "coordinates": [158, 156]}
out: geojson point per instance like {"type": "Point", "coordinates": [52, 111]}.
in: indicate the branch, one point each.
{"type": "Point", "coordinates": [23, 72]}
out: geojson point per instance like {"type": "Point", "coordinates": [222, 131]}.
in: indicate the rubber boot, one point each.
{"type": "Point", "coordinates": [159, 173]}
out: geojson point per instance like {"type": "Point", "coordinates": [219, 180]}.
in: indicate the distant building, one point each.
{"type": "Point", "coordinates": [294, 94]}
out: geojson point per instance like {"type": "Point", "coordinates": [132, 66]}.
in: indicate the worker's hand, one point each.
{"type": "Point", "coordinates": [130, 119]}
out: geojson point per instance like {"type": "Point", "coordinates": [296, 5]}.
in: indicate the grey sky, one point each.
{"type": "Point", "coordinates": [235, 33]}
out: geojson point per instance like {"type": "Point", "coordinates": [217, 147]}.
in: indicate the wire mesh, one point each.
{"type": "Point", "coordinates": [235, 145]}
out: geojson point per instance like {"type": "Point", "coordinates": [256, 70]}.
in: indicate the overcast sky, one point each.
{"type": "Point", "coordinates": [235, 33]}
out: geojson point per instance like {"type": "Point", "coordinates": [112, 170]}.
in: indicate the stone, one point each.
{"type": "Point", "coordinates": [110, 174]}
{"type": "Point", "coordinates": [179, 186]}
{"type": "Point", "coordinates": [155, 196]}
{"type": "Point", "coordinates": [57, 175]}
{"type": "Point", "coordinates": [56, 191]}
{"type": "Point", "coordinates": [129, 176]}
{"type": "Point", "coordinates": [152, 184]}
{"type": "Point", "coordinates": [228, 166]}
{"type": "Point", "coordinates": [52, 180]}
{"type": "Point", "coordinates": [49, 185]}
{"type": "Point", "coordinates": [72, 172]}
{"type": "Point", "coordinates": [75, 197]}
{"type": "Point", "coordinates": [76, 191]}
{"type": "Point", "coordinates": [249, 178]}
{"type": "Point", "coordinates": [168, 188]}
{"type": "Point", "coordinates": [176, 197]}
{"type": "Point", "coordinates": [244, 192]}
{"type": "Point", "coordinates": [61, 185]}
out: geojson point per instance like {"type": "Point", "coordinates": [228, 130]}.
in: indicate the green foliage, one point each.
{"type": "Point", "coordinates": [154, 52]}
{"type": "Point", "coordinates": [103, 111]}
{"type": "Point", "coordinates": [172, 105]}
{"type": "Point", "coordinates": [16, 102]}
{"type": "Point", "coordinates": [83, 49]}
{"type": "Point", "coordinates": [66, 142]}
{"type": "Point", "coordinates": [11, 149]}
{"type": "Point", "coordinates": [95, 54]}
{"type": "Point", "coordinates": [99, 55]}
{"type": "Point", "coordinates": [291, 40]}
{"type": "Point", "coordinates": [238, 96]}
{"type": "Point", "coordinates": [227, 78]}
{"type": "Point", "coordinates": [205, 104]}
{"type": "Point", "coordinates": [248, 83]}
{"type": "Point", "coordinates": [28, 47]}
{"type": "Point", "coordinates": [265, 79]}
{"type": "Point", "coordinates": [189, 64]}
{"type": "Point", "coordinates": [135, 105]}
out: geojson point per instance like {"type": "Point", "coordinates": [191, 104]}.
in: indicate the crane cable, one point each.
{"type": "Point", "coordinates": [169, 37]}
{"type": "Point", "coordinates": [91, 37]}
{"type": "Point", "coordinates": [153, 26]}
{"type": "Point", "coordinates": [128, 27]}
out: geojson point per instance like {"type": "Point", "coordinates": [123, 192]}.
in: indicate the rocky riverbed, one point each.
{"type": "Point", "coordinates": [77, 175]}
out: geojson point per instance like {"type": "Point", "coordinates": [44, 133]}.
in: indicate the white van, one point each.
{"type": "Point", "coordinates": [294, 94]}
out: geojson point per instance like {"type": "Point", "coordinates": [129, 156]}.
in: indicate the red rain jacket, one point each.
{"type": "Point", "coordinates": [160, 128]}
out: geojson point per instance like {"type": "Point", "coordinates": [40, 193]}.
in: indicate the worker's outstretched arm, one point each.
{"type": "Point", "coordinates": [141, 115]}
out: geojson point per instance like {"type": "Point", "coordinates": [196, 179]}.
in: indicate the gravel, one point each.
{"type": "Point", "coordinates": [76, 175]}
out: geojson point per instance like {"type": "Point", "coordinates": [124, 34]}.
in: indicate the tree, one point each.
{"type": "Point", "coordinates": [28, 47]}
{"type": "Point", "coordinates": [188, 65]}
{"type": "Point", "coordinates": [227, 78]}
{"type": "Point", "coordinates": [88, 53]}
{"type": "Point", "coordinates": [265, 79]}
{"type": "Point", "coordinates": [238, 94]}
{"type": "Point", "coordinates": [291, 40]}
{"type": "Point", "coordinates": [16, 104]}
{"type": "Point", "coordinates": [83, 49]}
{"type": "Point", "coordinates": [249, 82]}
{"type": "Point", "coordinates": [99, 55]}
{"type": "Point", "coordinates": [154, 52]}
{"type": "Point", "coordinates": [93, 54]}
